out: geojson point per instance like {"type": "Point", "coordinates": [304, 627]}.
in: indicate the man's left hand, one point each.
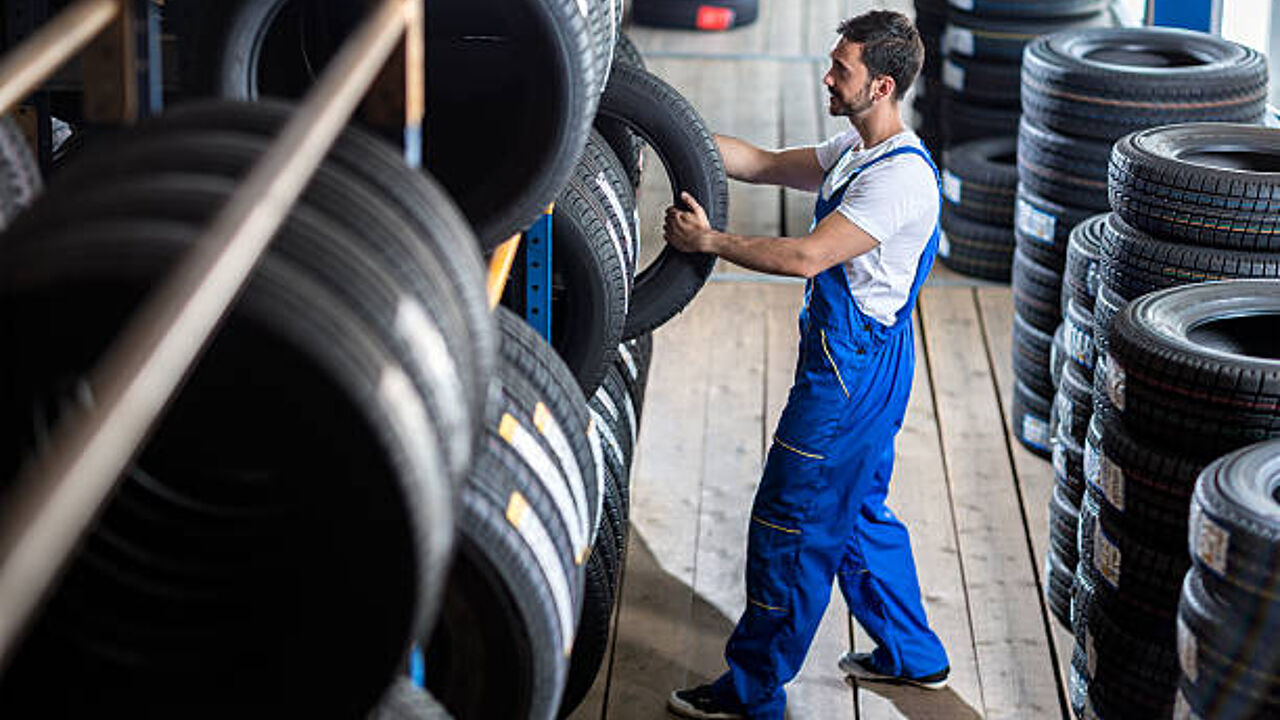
{"type": "Point", "coordinates": [688, 230]}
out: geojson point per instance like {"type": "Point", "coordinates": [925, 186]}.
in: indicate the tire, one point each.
{"type": "Point", "coordinates": [524, 349]}
{"type": "Point", "coordinates": [338, 216]}
{"type": "Point", "coordinates": [406, 701]}
{"type": "Point", "coordinates": [1071, 170]}
{"type": "Point", "coordinates": [1057, 353]}
{"type": "Point", "coordinates": [590, 273]}
{"type": "Point", "coordinates": [1196, 367]}
{"type": "Point", "coordinates": [1068, 466]}
{"type": "Point", "coordinates": [1107, 82]}
{"type": "Point", "coordinates": [1178, 183]}
{"type": "Point", "coordinates": [1106, 306]}
{"type": "Point", "coordinates": [355, 498]}
{"type": "Point", "coordinates": [1031, 420]}
{"type": "Point", "coordinates": [962, 121]}
{"type": "Point", "coordinates": [1081, 276]}
{"type": "Point", "coordinates": [625, 145]}
{"type": "Point", "coordinates": [1073, 405]}
{"type": "Point", "coordinates": [1044, 227]}
{"type": "Point", "coordinates": [981, 179]}
{"type": "Point", "coordinates": [502, 175]}
{"type": "Point", "coordinates": [1030, 8]}
{"type": "Point", "coordinates": [1058, 574]}
{"type": "Point", "coordinates": [995, 38]}
{"type": "Point", "coordinates": [974, 248]}
{"type": "Point", "coordinates": [1064, 516]}
{"type": "Point", "coordinates": [592, 640]}
{"type": "Point", "coordinates": [616, 473]}
{"type": "Point", "coordinates": [634, 357]}
{"type": "Point", "coordinates": [443, 232]}
{"type": "Point", "coordinates": [691, 15]}
{"type": "Point", "coordinates": [1032, 353]}
{"type": "Point", "coordinates": [1133, 675]}
{"type": "Point", "coordinates": [1134, 263]}
{"type": "Point", "coordinates": [1227, 653]}
{"type": "Point", "coordinates": [1078, 340]}
{"type": "Point", "coordinates": [618, 196]}
{"type": "Point", "coordinates": [1149, 486]}
{"type": "Point", "coordinates": [670, 125]}
{"type": "Point", "coordinates": [982, 81]}
{"type": "Point", "coordinates": [1036, 289]}
{"type": "Point", "coordinates": [1235, 525]}
{"type": "Point", "coordinates": [20, 181]}
{"type": "Point", "coordinates": [603, 21]}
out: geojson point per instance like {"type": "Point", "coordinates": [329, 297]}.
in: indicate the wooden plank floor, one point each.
{"type": "Point", "coordinates": [974, 500]}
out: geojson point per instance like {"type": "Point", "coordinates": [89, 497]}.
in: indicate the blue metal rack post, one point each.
{"type": "Point", "coordinates": [537, 278]}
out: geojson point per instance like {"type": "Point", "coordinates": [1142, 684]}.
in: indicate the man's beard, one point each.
{"type": "Point", "coordinates": [859, 105]}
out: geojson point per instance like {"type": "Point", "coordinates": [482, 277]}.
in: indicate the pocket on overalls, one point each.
{"type": "Point", "coordinates": [793, 479]}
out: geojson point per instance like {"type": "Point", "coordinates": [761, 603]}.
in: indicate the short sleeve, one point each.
{"type": "Point", "coordinates": [892, 195]}
{"type": "Point", "coordinates": [829, 151]}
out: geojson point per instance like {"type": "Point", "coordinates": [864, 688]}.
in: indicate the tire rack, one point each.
{"type": "Point", "coordinates": [58, 494]}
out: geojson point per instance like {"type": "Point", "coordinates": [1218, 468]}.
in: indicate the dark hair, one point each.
{"type": "Point", "coordinates": [890, 46]}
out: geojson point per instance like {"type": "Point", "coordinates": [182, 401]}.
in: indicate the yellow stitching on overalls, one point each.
{"type": "Point", "coordinates": [759, 604]}
{"type": "Point", "coordinates": [797, 451]}
{"type": "Point", "coordinates": [779, 528]}
{"type": "Point", "coordinates": [823, 335]}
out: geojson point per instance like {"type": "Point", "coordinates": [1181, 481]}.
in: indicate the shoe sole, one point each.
{"type": "Point", "coordinates": [683, 709]}
{"type": "Point", "coordinates": [863, 675]}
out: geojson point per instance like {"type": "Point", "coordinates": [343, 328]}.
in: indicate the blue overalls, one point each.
{"type": "Point", "coordinates": [819, 512]}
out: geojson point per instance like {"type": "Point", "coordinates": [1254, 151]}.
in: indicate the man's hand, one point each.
{"type": "Point", "coordinates": [688, 230]}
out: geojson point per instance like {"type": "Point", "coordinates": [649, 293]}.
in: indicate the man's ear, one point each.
{"type": "Point", "coordinates": [884, 87]}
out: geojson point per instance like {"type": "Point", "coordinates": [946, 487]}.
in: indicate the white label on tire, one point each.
{"type": "Point", "coordinates": [1035, 431]}
{"type": "Point", "coordinates": [1080, 343]}
{"type": "Point", "coordinates": [633, 371]}
{"type": "Point", "coordinates": [526, 522]}
{"type": "Point", "coordinates": [953, 76]}
{"type": "Point", "coordinates": [1059, 460]}
{"type": "Point", "coordinates": [1106, 557]}
{"type": "Point", "coordinates": [1115, 383]}
{"type": "Point", "coordinates": [944, 245]}
{"type": "Point", "coordinates": [551, 431]}
{"type": "Point", "coordinates": [632, 424]}
{"type": "Point", "coordinates": [1211, 541]}
{"type": "Point", "coordinates": [951, 186]}
{"type": "Point", "coordinates": [549, 477]}
{"type": "Point", "coordinates": [958, 40]}
{"type": "Point", "coordinates": [962, 4]}
{"type": "Point", "coordinates": [1035, 222]}
{"type": "Point", "coordinates": [1187, 651]}
{"type": "Point", "coordinates": [1111, 481]}
{"type": "Point", "coordinates": [1182, 709]}
{"type": "Point", "coordinates": [584, 8]}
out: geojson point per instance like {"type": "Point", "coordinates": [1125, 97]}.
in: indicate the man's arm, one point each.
{"type": "Point", "coordinates": [834, 241]}
{"type": "Point", "coordinates": [791, 167]}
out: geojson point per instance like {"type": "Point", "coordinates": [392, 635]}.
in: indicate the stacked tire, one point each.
{"type": "Point", "coordinates": [1229, 613]}
{"type": "Point", "coordinates": [926, 104]}
{"type": "Point", "coordinates": [1082, 90]}
{"type": "Point", "coordinates": [307, 470]}
{"type": "Point", "coordinates": [982, 48]}
{"type": "Point", "coordinates": [979, 179]}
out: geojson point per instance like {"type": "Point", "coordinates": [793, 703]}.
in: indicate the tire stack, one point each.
{"type": "Point", "coordinates": [285, 532]}
{"type": "Point", "coordinates": [1229, 614]}
{"type": "Point", "coordinates": [1192, 372]}
{"type": "Point", "coordinates": [931, 21]}
{"type": "Point", "coordinates": [1082, 90]}
{"type": "Point", "coordinates": [979, 180]}
{"type": "Point", "coordinates": [982, 48]}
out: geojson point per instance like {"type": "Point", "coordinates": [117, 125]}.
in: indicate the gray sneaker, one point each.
{"type": "Point", "coordinates": [860, 666]}
{"type": "Point", "coordinates": [701, 703]}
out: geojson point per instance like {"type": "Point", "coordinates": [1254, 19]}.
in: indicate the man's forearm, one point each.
{"type": "Point", "coordinates": [774, 255]}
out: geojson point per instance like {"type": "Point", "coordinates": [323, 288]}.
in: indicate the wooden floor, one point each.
{"type": "Point", "coordinates": [975, 501]}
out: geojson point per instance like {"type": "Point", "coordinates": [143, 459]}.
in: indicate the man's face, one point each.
{"type": "Point", "coordinates": [849, 85]}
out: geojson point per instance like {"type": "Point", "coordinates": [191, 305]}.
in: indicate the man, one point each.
{"type": "Point", "coordinates": [819, 512]}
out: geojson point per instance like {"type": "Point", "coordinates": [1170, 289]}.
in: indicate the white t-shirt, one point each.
{"type": "Point", "coordinates": [894, 201]}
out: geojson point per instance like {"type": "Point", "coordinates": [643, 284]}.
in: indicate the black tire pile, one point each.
{"type": "Point", "coordinates": [926, 103]}
{"type": "Point", "coordinates": [287, 537]}
{"type": "Point", "coordinates": [1185, 371]}
{"type": "Point", "coordinates": [1229, 614]}
{"type": "Point", "coordinates": [1081, 91]}
{"type": "Point", "coordinates": [970, 99]}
